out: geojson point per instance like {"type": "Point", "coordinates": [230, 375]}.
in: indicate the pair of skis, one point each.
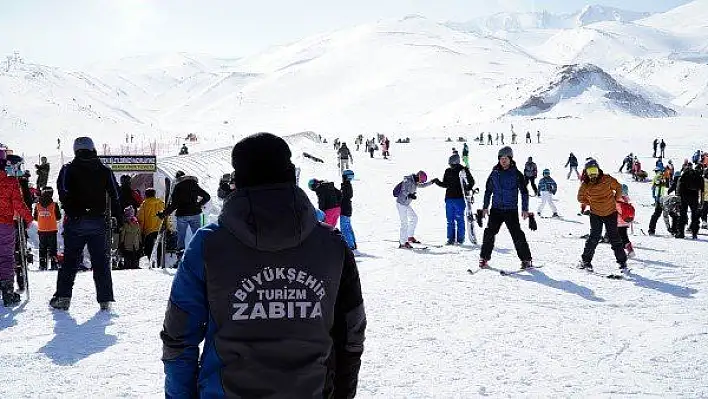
{"type": "Point", "coordinates": [503, 272]}
{"type": "Point", "coordinates": [160, 241]}
{"type": "Point", "coordinates": [469, 201]}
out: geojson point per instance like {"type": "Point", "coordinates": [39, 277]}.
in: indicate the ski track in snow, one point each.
{"type": "Point", "coordinates": [434, 331]}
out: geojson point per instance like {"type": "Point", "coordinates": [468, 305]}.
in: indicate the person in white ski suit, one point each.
{"type": "Point", "coordinates": [547, 188]}
{"type": "Point", "coordinates": [409, 219]}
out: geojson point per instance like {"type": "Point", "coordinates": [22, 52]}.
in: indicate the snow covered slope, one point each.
{"type": "Point", "coordinates": [600, 90]}
{"type": "Point", "coordinates": [434, 330]}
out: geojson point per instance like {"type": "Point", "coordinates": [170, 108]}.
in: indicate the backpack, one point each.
{"type": "Point", "coordinates": [397, 189]}
{"type": "Point", "coordinates": [627, 212]}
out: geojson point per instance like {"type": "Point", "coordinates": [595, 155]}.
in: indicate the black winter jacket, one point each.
{"type": "Point", "coordinates": [451, 181]}
{"type": "Point", "coordinates": [347, 194]}
{"type": "Point", "coordinates": [328, 196]}
{"type": "Point", "coordinates": [185, 197]}
{"type": "Point", "coordinates": [42, 175]}
{"type": "Point", "coordinates": [276, 298]}
{"type": "Point", "coordinates": [82, 185]}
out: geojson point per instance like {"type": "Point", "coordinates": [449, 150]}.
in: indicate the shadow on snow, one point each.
{"type": "Point", "coordinates": [666, 288]}
{"type": "Point", "coordinates": [7, 316]}
{"type": "Point", "coordinates": [74, 342]}
{"type": "Point", "coordinates": [570, 287]}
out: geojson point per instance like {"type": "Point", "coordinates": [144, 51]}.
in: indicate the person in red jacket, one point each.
{"type": "Point", "coordinates": [11, 206]}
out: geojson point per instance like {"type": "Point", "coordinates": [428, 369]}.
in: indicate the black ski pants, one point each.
{"type": "Point", "coordinates": [497, 217]}
{"type": "Point", "coordinates": [610, 223]}
{"type": "Point", "coordinates": [47, 247]}
{"type": "Point", "coordinates": [149, 243]}
{"type": "Point", "coordinates": [704, 213]}
{"type": "Point", "coordinates": [623, 233]}
{"type": "Point", "coordinates": [689, 201]}
{"type": "Point", "coordinates": [531, 180]}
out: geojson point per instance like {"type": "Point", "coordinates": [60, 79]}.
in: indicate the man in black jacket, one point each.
{"type": "Point", "coordinates": [42, 173]}
{"type": "Point", "coordinates": [274, 294]}
{"type": "Point", "coordinates": [690, 189]}
{"type": "Point", "coordinates": [83, 185]}
{"type": "Point", "coordinates": [455, 199]}
{"type": "Point", "coordinates": [187, 199]}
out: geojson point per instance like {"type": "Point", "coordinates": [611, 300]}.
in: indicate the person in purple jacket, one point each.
{"type": "Point", "coordinates": [502, 189]}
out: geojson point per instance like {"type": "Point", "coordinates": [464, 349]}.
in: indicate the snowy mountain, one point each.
{"type": "Point", "coordinates": [523, 21]}
{"type": "Point", "coordinates": [573, 81]}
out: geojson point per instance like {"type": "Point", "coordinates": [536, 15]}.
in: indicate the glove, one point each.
{"type": "Point", "coordinates": [480, 217]}
{"type": "Point", "coordinates": [586, 212]}
{"type": "Point", "coordinates": [412, 196]}
{"type": "Point", "coordinates": [532, 223]}
{"type": "Point", "coordinates": [436, 180]}
{"type": "Point", "coordinates": [161, 215]}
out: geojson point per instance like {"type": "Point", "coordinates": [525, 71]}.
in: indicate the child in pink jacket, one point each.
{"type": "Point", "coordinates": [623, 225]}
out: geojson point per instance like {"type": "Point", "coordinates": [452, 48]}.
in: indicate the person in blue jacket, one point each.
{"type": "Point", "coordinates": [273, 294]}
{"type": "Point", "coordinates": [547, 188]}
{"type": "Point", "coordinates": [502, 189]}
{"type": "Point", "coordinates": [455, 199]}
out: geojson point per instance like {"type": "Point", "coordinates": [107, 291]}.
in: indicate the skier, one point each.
{"type": "Point", "coordinates": [455, 199]}
{"type": "Point", "coordinates": [128, 196]}
{"type": "Point", "coordinates": [385, 147]}
{"type": "Point", "coordinates": [184, 150]}
{"type": "Point", "coordinates": [627, 163]}
{"type": "Point", "coordinates": [513, 137]}
{"type": "Point", "coordinates": [466, 155]}
{"type": "Point", "coordinates": [489, 139]}
{"type": "Point", "coordinates": [528, 137]}
{"type": "Point", "coordinates": [345, 157]}
{"type": "Point", "coordinates": [42, 173]}
{"type": "Point", "coordinates": [497, 139]}
{"type": "Point", "coordinates": [655, 146]}
{"type": "Point", "coordinates": [502, 188]}
{"type": "Point", "coordinates": [266, 343]}
{"type": "Point", "coordinates": [690, 187]}
{"type": "Point", "coordinates": [573, 164]}
{"type": "Point", "coordinates": [658, 185]}
{"type": "Point", "coordinates": [530, 174]}
{"type": "Point", "coordinates": [623, 223]}
{"type": "Point", "coordinates": [662, 146]}
{"type": "Point", "coordinates": [538, 136]}
{"type": "Point", "coordinates": [601, 193]}
{"type": "Point", "coordinates": [47, 214]}
{"type": "Point", "coordinates": [502, 138]}
{"type": "Point", "coordinates": [130, 240]}
{"type": "Point", "coordinates": [481, 138]}
{"type": "Point", "coordinates": [83, 185]}
{"type": "Point", "coordinates": [149, 221]}
{"type": "Point", "coordinates": [329, 199]}
{"type": "Point", "coordinates": [405, 193]}
{"type": "Point", "coordinates": [11, 206]}
{"type": "Point", "coordinates": [548, 188]}
{"type": "Point", "coordinates": [345, 220]}
{"type": "Point", "coordinates": [186, 200]}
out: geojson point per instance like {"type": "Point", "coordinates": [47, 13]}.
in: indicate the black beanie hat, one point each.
{"type": "Point", "coordinates": [261, 159]}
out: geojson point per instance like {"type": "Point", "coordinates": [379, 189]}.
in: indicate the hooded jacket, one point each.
{"type": "Point", "coordinates": [11, 201]}
{"type": "Point", "coordinates": [82, 185]}
{"type": "Point", "coordinates": [408, 187]}
{"type": "Point", "coordinates": [42, 175]}
{"type": "Point", "coordinates": [328, 196]}
{"type": "Point", "coordinates": [275, 296]}
{"type": "Point", "coordinates": [530, 169]}
{"type": "Point", "coordinates": [503, 188]}
{"type": "Point", "coordinates": [602, 195]}
{"type": "Point", "coordinates": [147, 215]}
{"type": "Point", "coordinates": [451, 182]}
{"type": "Point", "coordinates": [187, 198]}
{"type": "Point", "coordinates": [572, 161]}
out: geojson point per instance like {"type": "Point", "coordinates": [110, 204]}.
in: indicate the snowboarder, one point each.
{"type": "Point", "coordinates": [267, 236]}
{"type": "Point", "coordinates": [405, 193]}
{"type": "Point", "coordinates": [329, 199]}
{"type": "Point", "coordinates": [83, 185]}
{"type": "Point", "coordinates": [655, 146]}
{"type": "Point", "coordinates": [662, 147]}
{"type": "Point", "coordinates": [573, 166]}
{"type": "Point", "coordinates": [455, 199]}
{"type": "Point", "coordinates": [601, 192]}
{"type": "Point", "coordinates": [42, 173]}
{"type": "Point", "coordinates": [547, 188]}
{"type": "Point", "coordinates": [624, 221]}
{"type": "Point", "coordinates": [47, 214]}
{"type": "Point", "coordinates": [345, 157]}
{"type": "Point", "coordinates": [345, 220]}
{"type": "Point", "coordinates": [466, 155]}
{"type": "Point", "coordinates": [186, 200]}
{"type": "Point", "coordinates": [149, 221]}
{"type": "Point", "coordinates": [11, 205]}
{"type": "Point", "coordinates": [530, 174]}
{"type": "Point", "coordinates": [130, 240]}
{"type": "Point", "coordinates": [503, 187]}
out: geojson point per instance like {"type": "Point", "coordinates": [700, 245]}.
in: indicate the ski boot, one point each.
{"type": "Point", "coordinates": [42, 264]}
{"type": "Point", "coordinates": [20, 273]}
{"type": "Point", "coordinates": [413, 240]}
{"type": "Point", "coordinates": [449, 243]}
{"type": "Point", "coordinates": [630, 250]}
{"type": "Point", "coordinates": [586, 266]}
{"type": "Point", "coordinates": [651, 232]}
{"type": "Point", "coordinates": [54, 263]}
{"type": "Point", "coordinates": [623, 268]}
{"type": "Point", "coordinates": [9, 296]}
{"type": "Point", "coordinates": [526, 264]}
{"type": "Point", "coordinates": [555, 215]}
{"type": "Point", "coordinates": [105, 306]}
{"type": "Point", "coordinates": [405, 245]}
{"type": "Point", "coordinates": [60, 302]}
{"type": "Point", "coordinates": [483, 263]}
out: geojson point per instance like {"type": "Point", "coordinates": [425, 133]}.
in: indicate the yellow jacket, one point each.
{"type": "Point", "coordinates": [147, 215]}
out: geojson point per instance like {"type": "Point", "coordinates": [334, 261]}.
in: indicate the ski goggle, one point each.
{"type": "Point", "coordinates": [592, 171]}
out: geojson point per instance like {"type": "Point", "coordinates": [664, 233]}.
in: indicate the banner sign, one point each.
{"type": "Point", "coordinates": [130, 163]}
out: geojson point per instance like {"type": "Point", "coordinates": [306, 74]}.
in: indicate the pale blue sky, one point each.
{"type": "Point", "coordinates": [73, 33]}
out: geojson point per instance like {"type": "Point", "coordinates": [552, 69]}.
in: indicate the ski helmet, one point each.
{"type": "Point", "coordinates": [47, 191]}
{"type": "Point", "coordinates": [546, 172]}
{"type": "Point", "coordinates": [453, 160]}
{"type": "Point", "coordinates": [349, 174]}
{"type": "Point", "coordinates": [422, 176]}
{"type": "Point", "coordinates": [506, 152]}
{"type": "Point", "coordinates": [312, 184]}
{"type": "Point", "coordinates": [625, 189]}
